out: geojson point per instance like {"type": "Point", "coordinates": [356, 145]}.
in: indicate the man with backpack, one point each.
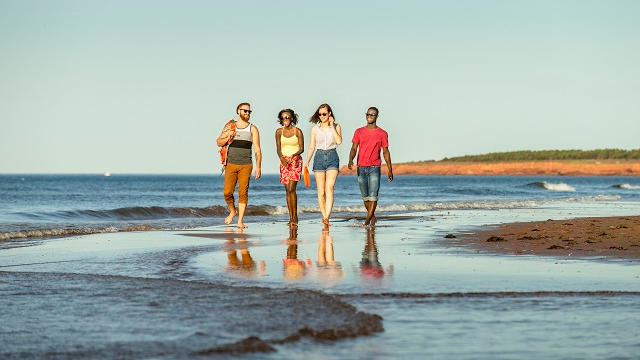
{"type": "Point", "coordinates": [239, 137]}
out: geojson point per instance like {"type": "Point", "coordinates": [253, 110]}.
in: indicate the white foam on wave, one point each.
{"type": "Point", "coordinates": [600, 198]}
{"type": "Point", "coordinates": [465, 205]}
{"type": "Point", "coordinates": [38, 233]}
{"type": "Point", "coordinates": [629, 187]}
{"type": "Point", "coordinates": [278, 210]}
{"type": "Point", "coordinates": [53, 232]}
{"type": "Point", "coordinates": [557, 187]}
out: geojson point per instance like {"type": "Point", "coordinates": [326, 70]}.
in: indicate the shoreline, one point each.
{"type": "Point", "coordinates": [616, 237]}
{"type": "Point", "coordinates": [552, 168]}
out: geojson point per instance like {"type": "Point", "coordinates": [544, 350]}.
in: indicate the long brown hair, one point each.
{"type": "Point", "coordinates": [316, 117]}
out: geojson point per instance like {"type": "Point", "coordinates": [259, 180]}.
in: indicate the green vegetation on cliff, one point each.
{"type": "Point", "coordinates": [550, 155]}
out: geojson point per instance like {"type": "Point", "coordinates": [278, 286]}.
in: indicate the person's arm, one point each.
{"type": "Point", "coordinates": [224, 137]}
{"type": "Point", "coordinates": [300, 141]}
{"type": "Point", "coordinates": [387, 159]}
{"type": "Point", "coordinates": [255, 135]}
{"type": "Point", "coordinates": [337, 131]}
{"type": "Point", "coordinates": [352, 154]}
{"type": "Point", "coordinates": [279, 147]}
{"type": "Point", "coordinates": [312, 146]}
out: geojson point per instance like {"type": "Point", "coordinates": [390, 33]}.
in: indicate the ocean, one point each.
{"type": "Point", "coordinates": [52, 205]}
{"type": "Point", "coordinates": [142, 267]}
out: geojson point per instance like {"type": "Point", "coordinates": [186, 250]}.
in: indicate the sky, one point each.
{"type": "Point", "coordinates": [146, 86]}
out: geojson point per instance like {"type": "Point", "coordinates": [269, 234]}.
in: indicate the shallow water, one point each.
{"type": "Point", "coordinates": [395, 292]}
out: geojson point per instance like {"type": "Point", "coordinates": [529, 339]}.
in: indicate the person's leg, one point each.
{"type": "Point", "coordinates": [230, 180]}
{"type": "Point", "coordinates": [363, 183]}
{"type": "Point", "coordinates": [372, 196]}
{"type": "Point", "coordinates": [371, 209]}
{"type": "Point", "coordinates": [320, 183]}
{"type": "Point", "coordinates": [244, 175]}
{"type": "Point", "coordinates": [292, 202]}
{"type": "Point", "coordinates": [330, 182]}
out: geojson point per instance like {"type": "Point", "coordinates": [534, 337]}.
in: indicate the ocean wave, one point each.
{"type": "Point", "coordinates": [476, 205]}
{"type": "Point", "coordinates": [56, 232]}
{"type": "Point", "coordinates": [156, 212]}
{"type": "Point", "coordinates": [627, 186]}
{"type": "Point", "coordinates": [153, 213]}
{"type": "Point", "coordinates": [119, 220]}
{"type": "Point", "coordinates": [552, 186]}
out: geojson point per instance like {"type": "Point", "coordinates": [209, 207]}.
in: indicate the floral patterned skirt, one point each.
{"type": "Point", "coordinates": [293, 169]}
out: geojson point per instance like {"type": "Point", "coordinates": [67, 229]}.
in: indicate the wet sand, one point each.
{"type": "Point", "coordinates": [602, 237]}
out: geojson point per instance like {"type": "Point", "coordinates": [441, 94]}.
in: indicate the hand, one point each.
{"type": "Point", "coordinates": [390, 176]}
{"type": "Point", "coordinates": [331, 120]}
{"type": "Point", "coordinates": [350, 165]}
{"type": "Point", "coordinates": [257, 173]}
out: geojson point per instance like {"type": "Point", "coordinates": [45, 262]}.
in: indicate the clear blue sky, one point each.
{"type": "Point", "coordinates": [145, 86]}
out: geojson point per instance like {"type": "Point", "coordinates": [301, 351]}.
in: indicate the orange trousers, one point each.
{"type": "Point", "coordinates": [237, 174]}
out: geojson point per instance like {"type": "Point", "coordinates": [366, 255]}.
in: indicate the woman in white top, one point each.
{"type": "Point", "coordinates": [326, 135]}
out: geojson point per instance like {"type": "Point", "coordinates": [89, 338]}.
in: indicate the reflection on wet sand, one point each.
{"type": "Point", "coordinates": [244, 265]}
{"type": "Point", "coordinates": [328, 268]}
{"type": "Point", "coordinates": [370, 266]}
{"type": "Point", "coordinates": [293, 267]}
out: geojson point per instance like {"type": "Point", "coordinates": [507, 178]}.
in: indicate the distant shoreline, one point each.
{"type": "Point", "coordinates": [549, 168]}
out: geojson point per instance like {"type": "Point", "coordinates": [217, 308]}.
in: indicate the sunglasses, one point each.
{"type": "Point", "coordinates": [286, 118]}
{"type": "Point", "coordinates": [323, 114]}
{"type": "Point", "coordinates": [371, 115]}
{"type": "Point", "coordinates": [246, 111]}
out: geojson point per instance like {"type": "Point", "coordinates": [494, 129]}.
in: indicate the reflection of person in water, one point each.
{"type": "Point", "coordinates": [243, 265]}
{"type": "Point", "coordinates": [292, 266]}
{"type": "Point", "coordinates": [328, 268]}
{"type": "Point", "coordinates": [370, 265]}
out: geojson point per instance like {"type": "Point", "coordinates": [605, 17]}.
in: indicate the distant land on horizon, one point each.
{"type": "Point", "coordinates": [603, 162]}
{"type": "Point", "coordinates": [548, 155]}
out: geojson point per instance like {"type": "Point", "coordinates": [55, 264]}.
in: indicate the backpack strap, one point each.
{"type": "Point", "coordinates": [224, 149]}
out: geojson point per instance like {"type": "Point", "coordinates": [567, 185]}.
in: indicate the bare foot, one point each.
{"type": "Point", "coordinates": [242, 226]}
{"type": "Point", "coordinates": [229, 218]}
{"type": "Point", "coordinates": [326, 223]}
{"type": "Point", "coordinates": [293, 224]}
{"type": "Point", "coordinates": [373, 221]}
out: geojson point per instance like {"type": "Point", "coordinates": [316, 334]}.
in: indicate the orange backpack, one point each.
{"type": "Point", "coordinates": [224, 150]}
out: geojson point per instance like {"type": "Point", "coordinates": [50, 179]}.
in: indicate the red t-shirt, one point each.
{"type": "Point", "coordinates": [370, 142]}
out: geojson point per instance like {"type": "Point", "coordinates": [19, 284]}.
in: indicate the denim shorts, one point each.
{"type": "Point", "coordinates": [326, 160]}
{"type": "Point", "coordinates": [369, 182]}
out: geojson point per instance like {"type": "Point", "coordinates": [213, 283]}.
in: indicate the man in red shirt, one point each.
{"type": "Point", "coordinates": [367, 142]}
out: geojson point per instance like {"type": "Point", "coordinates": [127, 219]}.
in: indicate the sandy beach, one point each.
{"type": "Point", "coordinates": [593, 237]}
{"type": "Point", "coordinates": [554, 168]}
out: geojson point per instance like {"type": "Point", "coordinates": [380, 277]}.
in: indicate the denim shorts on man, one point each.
{"type": "Point", "coordinates": [326, 160]}
{"type": "Point", "coordinates": [369, 182]}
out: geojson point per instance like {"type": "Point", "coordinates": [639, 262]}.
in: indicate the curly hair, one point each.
{"type": "Point", "coordinates": [316, 117]}
{"type": "Point", "coordinates": [294, 116]}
